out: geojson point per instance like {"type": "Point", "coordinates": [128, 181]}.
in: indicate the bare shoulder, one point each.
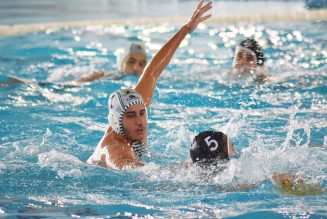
{"type": "Point", "coordinates": [113, 152]}
{"type": "Point", "coordinates": [117, 149]}
{"type": "Point", "coordinates": [116, 153]}
{"type": "Point", "coordinates": [101, 153]}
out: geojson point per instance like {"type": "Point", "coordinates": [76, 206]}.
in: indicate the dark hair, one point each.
{"type": "Point", "coordinates": [253, 45]}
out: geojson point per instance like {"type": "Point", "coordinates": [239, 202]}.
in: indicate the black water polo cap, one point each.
{"type": "Point", "coordinates": [209, 146]}
{"type": "Point", "coordinates": [254, 46]}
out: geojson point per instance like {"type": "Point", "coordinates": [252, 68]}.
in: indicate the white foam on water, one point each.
{"type": "Point", "coordinates": [20, 99]}
{"type": "Point", "coordinates": [2, 166]}
{"type": "Point", "coordinates": [179, 137]}
{"type": "Point", "coordinates": [57, 201]}
{"type": "Point", "coordinates": [25, 148]}
{"type": "Point", "coordinates": [257, 162]}
{"type": "Point", "coordinates": [13, 164]}
{"type": "Point", "coordinates": [63, 98]}
{"type": "Point", "coordinates": [84, 122]}
{"type": "Point", "coordinates": [65, 165]}
{"type": "Point", "coordinates": [178, 173]}
{"type": "Point", "coordinates": [69, 73]}
{"type": "Point", "coordinates": [98, 198]}
{"type": "Point", "coordinates": [232, 126]}
{"type": "Point", "coordinates": [30, 147]}
{"type": "Point", "coordinates": [301, 209]}
{"type": "Point", "coordinates": [252, 168]}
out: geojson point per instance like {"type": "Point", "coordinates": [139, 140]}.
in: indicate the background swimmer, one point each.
{"type": "Point", "coordinates": [132, 61]}
{"type": "Point", "coordinates": [125, 140]}
{"type": "Point", "coordinates": [249, 61]}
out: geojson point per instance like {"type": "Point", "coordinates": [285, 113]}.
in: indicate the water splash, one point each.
{"type": "Point", "coordinates": [65, 165]}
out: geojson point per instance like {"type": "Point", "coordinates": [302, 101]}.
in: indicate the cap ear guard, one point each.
{"type": "Point", "coordinates": [118, 103]}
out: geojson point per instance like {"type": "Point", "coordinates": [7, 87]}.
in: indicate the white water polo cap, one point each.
{"type": "Point", "coordinates": [133, 48]}
{"type": "Point", "coordinates": [118, 103]}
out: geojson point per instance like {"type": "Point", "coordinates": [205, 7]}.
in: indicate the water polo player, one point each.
{"type": "Point", "coordinates": [125, 140]}
{"type": "Point", "coordinates": [209, 147]}
{"type": "Point", "coordinates": [211, 150]}
{"type": "Point", "coordinates": [132, 61]}
{"type": "Point", "coordinates": [249, 61]}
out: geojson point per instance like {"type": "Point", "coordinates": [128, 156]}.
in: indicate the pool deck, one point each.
{"type": "Point", "coordinates": [16, 29]}
{"type": "Point", "coordinates": [16, 18]}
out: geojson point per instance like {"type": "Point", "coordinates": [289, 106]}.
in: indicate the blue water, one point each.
{"type": "Point", "coordinates": [47, 132]}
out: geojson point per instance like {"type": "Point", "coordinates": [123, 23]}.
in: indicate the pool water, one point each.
{"type": "Point", "coordinates": [48, 131]}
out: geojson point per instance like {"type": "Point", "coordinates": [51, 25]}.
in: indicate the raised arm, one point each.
{"type": "Point", "coordinates": [148, 79]}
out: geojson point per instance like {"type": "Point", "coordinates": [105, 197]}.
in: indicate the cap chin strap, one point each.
{"type": "Point", "coordinates": [228, 146]}
{"type": "Point", "coordinates": [138, 148]}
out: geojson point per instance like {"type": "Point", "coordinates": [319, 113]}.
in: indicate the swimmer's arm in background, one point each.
{"type": "Point", "coordinates": [12, 80]}
{"type": "Point", "coordinates": [292, 184]}
{"type": "Point", "coordinates": [91, 77]}
{"type": "Point", "coordinates": [286, 179]}
{"type": "Point", "coordinates": [177, 167]}
{"type": "Point", "coordinates": [283, 180]}
{"type": "Point", "coordinates": [153, 70]}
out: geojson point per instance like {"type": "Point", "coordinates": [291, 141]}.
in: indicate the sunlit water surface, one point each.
{"type": "Point", "coordinates": [47, 132]}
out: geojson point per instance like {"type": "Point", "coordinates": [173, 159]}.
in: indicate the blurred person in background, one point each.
{"type": "Point", "coordinates": [132, 62]}
{"type": "Point", "coordinates": [249, 62]}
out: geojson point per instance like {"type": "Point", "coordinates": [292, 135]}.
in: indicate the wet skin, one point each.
{"type": "Point", "coordinates": [135, 122]}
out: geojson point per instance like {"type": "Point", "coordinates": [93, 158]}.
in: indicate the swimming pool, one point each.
{"type": "Point", "coordinates": [48, 132]}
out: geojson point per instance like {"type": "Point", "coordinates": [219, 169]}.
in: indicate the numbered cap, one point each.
{"type": "Point", "coordinates": [208, 146]}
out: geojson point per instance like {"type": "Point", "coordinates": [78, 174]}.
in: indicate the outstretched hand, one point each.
{"type": "Point", "coordinates": [286, 179]}
{"type": "Point", "coordinates": [198, 15]}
